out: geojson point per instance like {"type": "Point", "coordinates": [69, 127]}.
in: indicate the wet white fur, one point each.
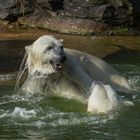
{"type": "Point", "coordinates": [79, 77]}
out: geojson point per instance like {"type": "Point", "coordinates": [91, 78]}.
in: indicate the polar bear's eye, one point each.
{"type": "Point", "coordinates": [50, 48]}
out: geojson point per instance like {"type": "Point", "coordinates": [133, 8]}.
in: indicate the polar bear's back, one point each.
{"type": "Point", "coordinates": [99, 70]}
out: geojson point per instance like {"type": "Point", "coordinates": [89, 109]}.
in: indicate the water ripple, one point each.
{"type": "Point", "coordinates": [8, 76]}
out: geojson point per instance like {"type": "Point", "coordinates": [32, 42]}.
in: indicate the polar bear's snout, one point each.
{"type": "Point", "coordinates": [57, 64]}
{"type": "Point", "coordinates": [55, 56]}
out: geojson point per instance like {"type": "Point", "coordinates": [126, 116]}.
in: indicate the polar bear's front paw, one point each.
{"type": "Point", "coordinates": [102, 99]}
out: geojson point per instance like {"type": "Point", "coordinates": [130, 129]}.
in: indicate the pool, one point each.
{"type": "Point", "coordinates": [55, 118]}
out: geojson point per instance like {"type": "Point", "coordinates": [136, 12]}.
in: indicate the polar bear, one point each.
{"type": "Point", "coordinates": [72, 74]}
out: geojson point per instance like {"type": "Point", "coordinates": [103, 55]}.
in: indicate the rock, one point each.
{"type": "Point", "coordinates": [68, 25]}
{"type": "Point", "coordinates": [85, 9]}
{"type": "Point", "coordinates": [98, 13]}
{"type": "Point", "coordinates": [136, 12]}
{"type": "Point", "coordinates": [117, 12]}
{"type": "Point", "coordinates": [10, 10]}
{"type": "Point", "coordinates": [53, 5]}
{"type": "Point", "coordinates": [136, 5]}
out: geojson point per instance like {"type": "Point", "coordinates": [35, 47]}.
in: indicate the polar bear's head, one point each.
{"type": "Point", "coordinates": [45, 56]}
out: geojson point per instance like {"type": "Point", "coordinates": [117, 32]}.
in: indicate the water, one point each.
{"type": "Point", "coordinates": [38, 117]}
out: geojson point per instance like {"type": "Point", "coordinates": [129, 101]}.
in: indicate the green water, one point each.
{"type": "Point", "coordinates": [64, 119]}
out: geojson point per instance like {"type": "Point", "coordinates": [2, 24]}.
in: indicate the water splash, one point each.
{"type": "Point", "coordinates": [19, 112]}
{"type": "Point", "coordinates": [23, 113]}
{"type": "Point", "coordinates": [132, 73]}
{"type": "Point", "coordinates": [22, 69]}
{"type": "Point", "coordinates": [8, 77]}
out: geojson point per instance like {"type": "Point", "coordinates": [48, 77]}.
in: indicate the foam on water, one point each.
{"type": "Point", "coordinates": [19, 113]}
{"type": "Point", "coordinates": [23, 113]}
{"type": "Point", "coordinates": [49, 117]}
{"type": "Point", "coordinates": [8, 76]}
{"type": "Point", "coordinates": [132, 73]}
{"type": "Point", "coordinates": [57, 119]}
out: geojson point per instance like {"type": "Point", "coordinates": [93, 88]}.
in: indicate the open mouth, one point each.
{"type": "Point", "coordinates": [58, 66]}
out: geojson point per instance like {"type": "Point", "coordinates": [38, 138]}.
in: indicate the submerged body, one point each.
{"type": "Point", "coordinates": [81, 76]}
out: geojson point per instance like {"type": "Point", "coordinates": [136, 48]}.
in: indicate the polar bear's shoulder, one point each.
{"type": "Point", "coordinates": [98, 69]}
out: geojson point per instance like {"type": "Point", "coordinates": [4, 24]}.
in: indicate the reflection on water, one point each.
{"type": "Point", "coordinates": [39, 117]}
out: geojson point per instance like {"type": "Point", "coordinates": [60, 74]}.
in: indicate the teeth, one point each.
{"type": "Point", "coordinates": [58, 66]}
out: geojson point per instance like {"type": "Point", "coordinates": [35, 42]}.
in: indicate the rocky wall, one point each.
{"type": "Point", "coordinates": [92, 15]}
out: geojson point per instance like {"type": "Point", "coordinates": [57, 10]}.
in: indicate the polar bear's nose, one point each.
{"type": "Point", "coordinates": [62, 59]}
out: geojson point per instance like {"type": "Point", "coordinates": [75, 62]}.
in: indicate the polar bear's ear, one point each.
{"type": "Point", "coordinates": [28, 48]}
{"type": "Point", "coordinates": [61, 40]}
